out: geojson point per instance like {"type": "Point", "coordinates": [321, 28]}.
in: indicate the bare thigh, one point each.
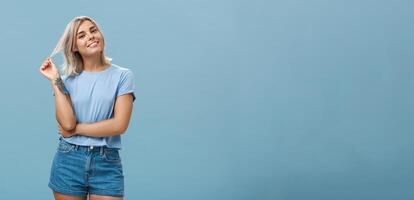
{"type": "Point", "coordinates": [60, 196]}
{"type": "Point", "coordinates": [97, 197]}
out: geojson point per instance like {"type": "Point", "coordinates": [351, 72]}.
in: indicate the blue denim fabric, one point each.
{"type": "Point", "coordinates": [82, 170]}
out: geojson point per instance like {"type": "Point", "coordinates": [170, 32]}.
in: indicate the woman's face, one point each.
{"type": "Point", "coordinates": [89, 40]}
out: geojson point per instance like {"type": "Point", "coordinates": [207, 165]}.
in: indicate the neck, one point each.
{"type": "Point", "coordinates": [93, 63]}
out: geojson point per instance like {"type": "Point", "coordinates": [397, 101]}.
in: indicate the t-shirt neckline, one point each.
{"type": "Point", "coordinates": [98, 72]}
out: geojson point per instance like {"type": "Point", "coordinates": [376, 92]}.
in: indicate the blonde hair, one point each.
{"type": "Point", "coordinates": [73, 63]}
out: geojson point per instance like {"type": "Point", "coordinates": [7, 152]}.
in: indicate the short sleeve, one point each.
{"type": "Point", "coordinates": [126, 84]}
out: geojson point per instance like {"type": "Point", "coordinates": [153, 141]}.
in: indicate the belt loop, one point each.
{"type": "Point", "coordinates": [101, 150]}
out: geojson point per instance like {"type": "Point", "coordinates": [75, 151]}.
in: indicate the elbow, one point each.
{"type": "Point", "coordinates": [68, 125]}
{"type": "Point", "coordinates": [121, 129]}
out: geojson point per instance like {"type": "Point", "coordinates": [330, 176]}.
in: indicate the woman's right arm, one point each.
{"type": "Point", "coordinates": [63, 105]}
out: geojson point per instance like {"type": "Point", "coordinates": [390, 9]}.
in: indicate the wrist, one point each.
{"type": "Point", "coordinates": [54, 78]}
{"type": "Point", "coordinates": [57, 81]}
{"type": "Point", "coordinates": [78, 129]}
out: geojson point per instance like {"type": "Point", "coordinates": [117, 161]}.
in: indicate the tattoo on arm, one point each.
{"type": "Point", "coordinates": [59, 84]}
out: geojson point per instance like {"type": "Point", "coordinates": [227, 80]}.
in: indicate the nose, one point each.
{"type": "Point", "coordinates": [90, 36]}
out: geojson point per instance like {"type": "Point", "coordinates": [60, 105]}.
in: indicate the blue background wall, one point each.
{"type": "Point", "coordinates": [239, 100]}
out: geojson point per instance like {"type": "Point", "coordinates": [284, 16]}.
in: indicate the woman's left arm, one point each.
{"type": "Point", "coordinates": [110, 127]}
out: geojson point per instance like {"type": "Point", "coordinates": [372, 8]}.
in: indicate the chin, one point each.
{"type": "Point", "coordinates": [93, 52]}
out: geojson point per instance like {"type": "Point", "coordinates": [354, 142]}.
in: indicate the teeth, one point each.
{"type": "Point", "coordinates": [93, 44]}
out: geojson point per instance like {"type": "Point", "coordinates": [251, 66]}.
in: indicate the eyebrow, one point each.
{"type": "Point", "coordinates": [84, 31]}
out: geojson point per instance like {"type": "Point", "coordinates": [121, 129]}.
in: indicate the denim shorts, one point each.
{"type": "Point", "coordinates": [82, 170]}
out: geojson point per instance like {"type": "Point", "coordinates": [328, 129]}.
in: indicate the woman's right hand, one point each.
{"type": "Point", "coordinates": [49, 70]}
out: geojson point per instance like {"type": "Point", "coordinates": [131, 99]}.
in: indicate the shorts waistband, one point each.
{"type": "Point", "coordinates": [84, 147]}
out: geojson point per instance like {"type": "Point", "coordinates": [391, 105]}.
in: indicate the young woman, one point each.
{"type": "Point", "coordinates": [93, 103]}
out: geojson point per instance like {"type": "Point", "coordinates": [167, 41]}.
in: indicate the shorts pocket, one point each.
{"type": "Point", "coordinates": [111, 155]}
{"type": "Point", "coordinates": [65, 147]}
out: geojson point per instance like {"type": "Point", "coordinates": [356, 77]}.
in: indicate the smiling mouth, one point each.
{"type": "Point", "coordinates": [93, 44]}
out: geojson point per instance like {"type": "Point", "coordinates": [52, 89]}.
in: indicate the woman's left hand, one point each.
{"type": "Point", "coordinates": [65, 133]}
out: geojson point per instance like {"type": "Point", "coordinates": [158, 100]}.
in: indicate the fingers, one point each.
{"type": "Point", "coordinates": [45, 64]}
{"type": "Point", "coordinates": [50, 61]}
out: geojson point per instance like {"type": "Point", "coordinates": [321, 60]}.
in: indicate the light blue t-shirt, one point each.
{"type": "Point", "coordinates": [93, 97]}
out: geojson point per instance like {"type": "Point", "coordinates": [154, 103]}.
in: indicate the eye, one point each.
{"type": "Point", "coordinates": [81, 36]}
{"type": "Point", "coordinates": [93, 30]}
